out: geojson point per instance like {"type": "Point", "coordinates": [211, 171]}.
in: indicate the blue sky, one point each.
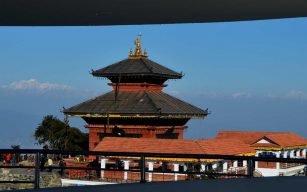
{"type": "Point", "coordinates": [251, 75]}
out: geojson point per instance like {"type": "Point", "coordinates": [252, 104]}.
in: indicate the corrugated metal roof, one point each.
{"type": "Point", "coordinates": [136, 102]}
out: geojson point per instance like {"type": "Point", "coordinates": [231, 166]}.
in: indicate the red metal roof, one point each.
{"type": "Point", "coordinates": [226, 143]}
{"type": "Point", "coordinates": [225, 147]}
{"type": "Point", "coordinates": [287, 139]}
{"type": "Point", "coordinates": [245, 136]}
{"type": "Point", "coordinates": [281, 139]}
{"type": "Point", "coordinates": [149, 145]}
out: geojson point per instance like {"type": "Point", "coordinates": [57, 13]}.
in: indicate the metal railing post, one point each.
{"type": "Point", "coordinates": [143, 169]}
{"type": "Point", "coordinates": [250, 168]}
{"type": "Point", "coordinates": [37, 171]}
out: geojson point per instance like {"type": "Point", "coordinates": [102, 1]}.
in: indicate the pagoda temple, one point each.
{"type": "Point", "coordinates": [136, 107]}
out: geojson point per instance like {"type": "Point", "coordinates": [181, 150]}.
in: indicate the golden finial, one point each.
{"type": "Point", "coordinates": [138, 49]}
{"type": "Point", "coordinates": [138, 46]}
{"type": "Point", "coordinates": [131, 53]}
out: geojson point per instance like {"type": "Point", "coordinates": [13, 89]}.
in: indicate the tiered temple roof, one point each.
{"type": "Point", "coordinates": [137, 107]}
{"type": "Point", "coordinates": [143, 103]}
{"type": "Point", "coordinates": [137, 91]}
{"type": "Point", "coordinates": [136, 67]}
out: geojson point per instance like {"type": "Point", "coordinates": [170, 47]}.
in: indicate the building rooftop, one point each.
{"type": "Point", "coordinates": [215, 146]}
{"type": "Point", "coordinates": [136, 103]}
{"type": "Point", "coordinates": [147, 145]}
{"type": "Point", "coordinates": [225, 147]}
{"type": "Point", "coordinates": [265, 139]}
{"type": "Point", "coordinates": [248, 137]}
{"type": "Point", "coordinates": [283, 140]}
{"type": "Point", "coordinates": [138, 67]}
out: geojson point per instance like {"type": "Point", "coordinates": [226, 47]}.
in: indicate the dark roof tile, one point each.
{"type": "Point", "coordinates": [136, 67]}
{"type": "Point", "coordinates": [132, 102]}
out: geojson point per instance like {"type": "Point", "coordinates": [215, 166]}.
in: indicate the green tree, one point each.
{"type": "Point", "coordinates": [56, 134]}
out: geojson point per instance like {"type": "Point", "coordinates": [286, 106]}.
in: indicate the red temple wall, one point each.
{"type": "Point", "coordinates": [76, 173]}
{"type": "Point", "coordinates": [118, 176]}
{"type": "Point", "coordinates": [139, 87]}
{"type": "Point", "coordinates": [93, 137]}
{"type": "Point", "coordinates": [146, 133]}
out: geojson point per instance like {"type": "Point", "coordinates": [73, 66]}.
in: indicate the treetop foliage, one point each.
{"type": "Point", "coordinates": [53, 133]}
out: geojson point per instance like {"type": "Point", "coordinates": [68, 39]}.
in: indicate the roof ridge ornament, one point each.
{"type": "Point", "coordinates": [138, 54]}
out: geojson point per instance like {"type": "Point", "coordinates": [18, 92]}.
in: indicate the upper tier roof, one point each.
{"type": "Point", "coordinates": [136, 103]}
{"type": "Point", "coordinates": [134, 67]}
{"type": "Point", "coordinates": [137, 65]}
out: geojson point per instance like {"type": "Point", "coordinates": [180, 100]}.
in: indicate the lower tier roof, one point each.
{"type": "Point", "coordinates": [136, 103]}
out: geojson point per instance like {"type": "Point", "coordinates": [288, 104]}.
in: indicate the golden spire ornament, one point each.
{"type": "Point", "coordinates": [138, 53]}
{"type": "Point", "coordinates": [138, 46]}
{"type": "Point", "coordinates": [130, 53]}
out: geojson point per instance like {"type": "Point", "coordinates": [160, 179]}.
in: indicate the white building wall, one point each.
{"type": "Point", "coordinates": [304, 153]}
{"type": "Point", "coordinates": [263, 141]}
{"type": "Point", "coordinates": [293, 154]}
{"type": "Point", "coordinates": [266, 172]}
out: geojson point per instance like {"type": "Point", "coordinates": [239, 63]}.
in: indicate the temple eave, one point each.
{"type": "Point", "coordinates": [135, 126]}
{"type": "Point", "coordinates": [135, 75]}
{"type": "Point", "coordinates": [163, 116]}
